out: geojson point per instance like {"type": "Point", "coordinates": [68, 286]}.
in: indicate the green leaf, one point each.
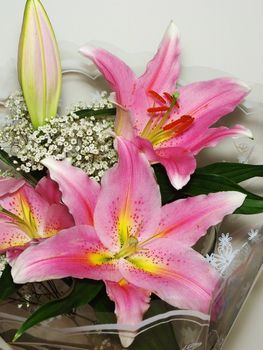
{"type": "Point", "coordinates": [98, 113]}
{"type": "Point", "coordinates": [204, 184]}
{"type": "Point", "coordinates": [103, 307]}
{"type": "Point", "coordinates": [234, 171]}
{"type": "Point", "coordinates": [7, 286]}
{"type": "Point", "coordinates": [161, 336]}
{"type": "Point", "coordinates": [82, 293]}
{"type": "Point", "coordinates": [168, 192]}
{"type": "Point", "coordinates": [13, 163]}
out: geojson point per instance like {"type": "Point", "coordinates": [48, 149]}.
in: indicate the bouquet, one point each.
{"type": "Point", "coordinates": [105, 208]}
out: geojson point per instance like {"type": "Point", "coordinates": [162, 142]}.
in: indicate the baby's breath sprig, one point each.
{"type": "Point", "coordinates": [84, 138]}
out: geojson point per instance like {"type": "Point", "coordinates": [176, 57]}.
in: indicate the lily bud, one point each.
{"type": "Point", "coordinates": [39, 67]}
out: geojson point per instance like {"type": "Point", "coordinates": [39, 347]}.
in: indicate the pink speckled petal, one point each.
{"type": "Point", "coordinates": [129, 201]}
{"type": "Point", "coordinates": [38, 218]}
{"type": "Point", "coordinates": [26, 203]}
{"type": "Point", "coordinates": [163, 70]}
{"type": "Point", "coordinates": [215, 135]}
{"type": "Point", "coordinates": [74, 252]}
{"type": "Point", "coordinates": [49, 190]}
{"type": "Point", "coordinates": [161, 75]}
{"type": "Point", "coordinates": [57, 219]}
{"type": "Point", "coordinates": [79, 192]}
{"type": "Point", "coordinates": [12, 237]}
{"type": "Point", "coordinates": [206, 102]}
{"type": "Point", "coordinates": [179, 164]}
{"type": "Point", "coordinates": [186, 220]}
{"type": "Point", "coordinates": [131, 302]}
{"type": "Point", "coordinates": [176, 273]}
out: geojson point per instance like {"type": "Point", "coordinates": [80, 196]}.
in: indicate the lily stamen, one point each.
{"type": "Point", "coordinates": [157, 109]}
{"type": "Point", "coordinates": [180, 125]}
{"type": "Point", "coordinates": [174, 129]}
{"type": "Point", "coordinates": [155, 131]}
{"type": "Point", "coordinates": [169, 98]}
{"type": "Point", "coordinates": [129, 248]}
{"type": "Point", "coordinates": [156, 96]}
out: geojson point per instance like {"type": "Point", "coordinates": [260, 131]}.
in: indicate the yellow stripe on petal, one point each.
{"type": "Point", "coordinates": [25, 220]}
{"type": "Point", "coordinates": [124, 224]}
{"type": "Point", "coordinates": [146, 265]}
{"type": "Point", "coordinates": [96, 259]}
{"type": "Point", "coordinates": [30, 222]}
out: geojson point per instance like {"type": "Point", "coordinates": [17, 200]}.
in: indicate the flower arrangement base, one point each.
{"type": "Point", "coordinates": [238, 260]}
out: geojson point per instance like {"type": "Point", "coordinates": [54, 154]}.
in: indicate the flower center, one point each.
{"type": "Point", "coordinates": [129, 248]}
{"type": "Point", "coordinates": [157, 130]}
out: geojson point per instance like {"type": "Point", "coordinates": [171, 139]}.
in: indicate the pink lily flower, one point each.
{"type": "Point", "coordinates": [124, 237]}
{"type": "Point", "coordinates": [170, 124]}
{"type": "Point", "coordinates": [28, 215]}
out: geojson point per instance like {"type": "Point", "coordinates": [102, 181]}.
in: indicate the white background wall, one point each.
{"type": "Point", "coordinates": [223, 34]}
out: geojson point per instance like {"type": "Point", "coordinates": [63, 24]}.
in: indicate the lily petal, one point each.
{"type": "Point", "coordinates": [176, 273]}
{"type": "Point", "coordinates": [57, 219]}
{"type": "Point", "coordinates": [131, 302]}
{"type": "Point", "coordinates": [75, 252]}
{"type": "Point", "coordinates": [49, 190]}
{"type": "Point", "coordinates": [27, 204]}
{"type": "Point", "coordinates": [12, 255]}
{"type": "Point", "coordinates": [11, 237]}
{"type": "Point", "coordinates": [161, 75]}
{"type": "Point", "coordinates": [163, 71]}
{"type": "Point", "coordinates": [186, 220]}
{"type": "Point", "coordinates": [39, 64]}
{"type": "Point", "coordinates": [30, 215]}
{"type": "Point", "coordinates": [179, 164]}
{"type": "Point", "coordinates": [9, 185]}
{"type": "Point", "coordinates": [122, 81]}
{"type": "Point", "coordinates": [206, 102]}
{"type": "Point", "coordinates": [79, 192]}
{"type": "Point", "coordinates": [129, 199]}
{"type": "Point", "coordinates": [215, 135]}
{"type": "Point", "coordinates": [115, 71]}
